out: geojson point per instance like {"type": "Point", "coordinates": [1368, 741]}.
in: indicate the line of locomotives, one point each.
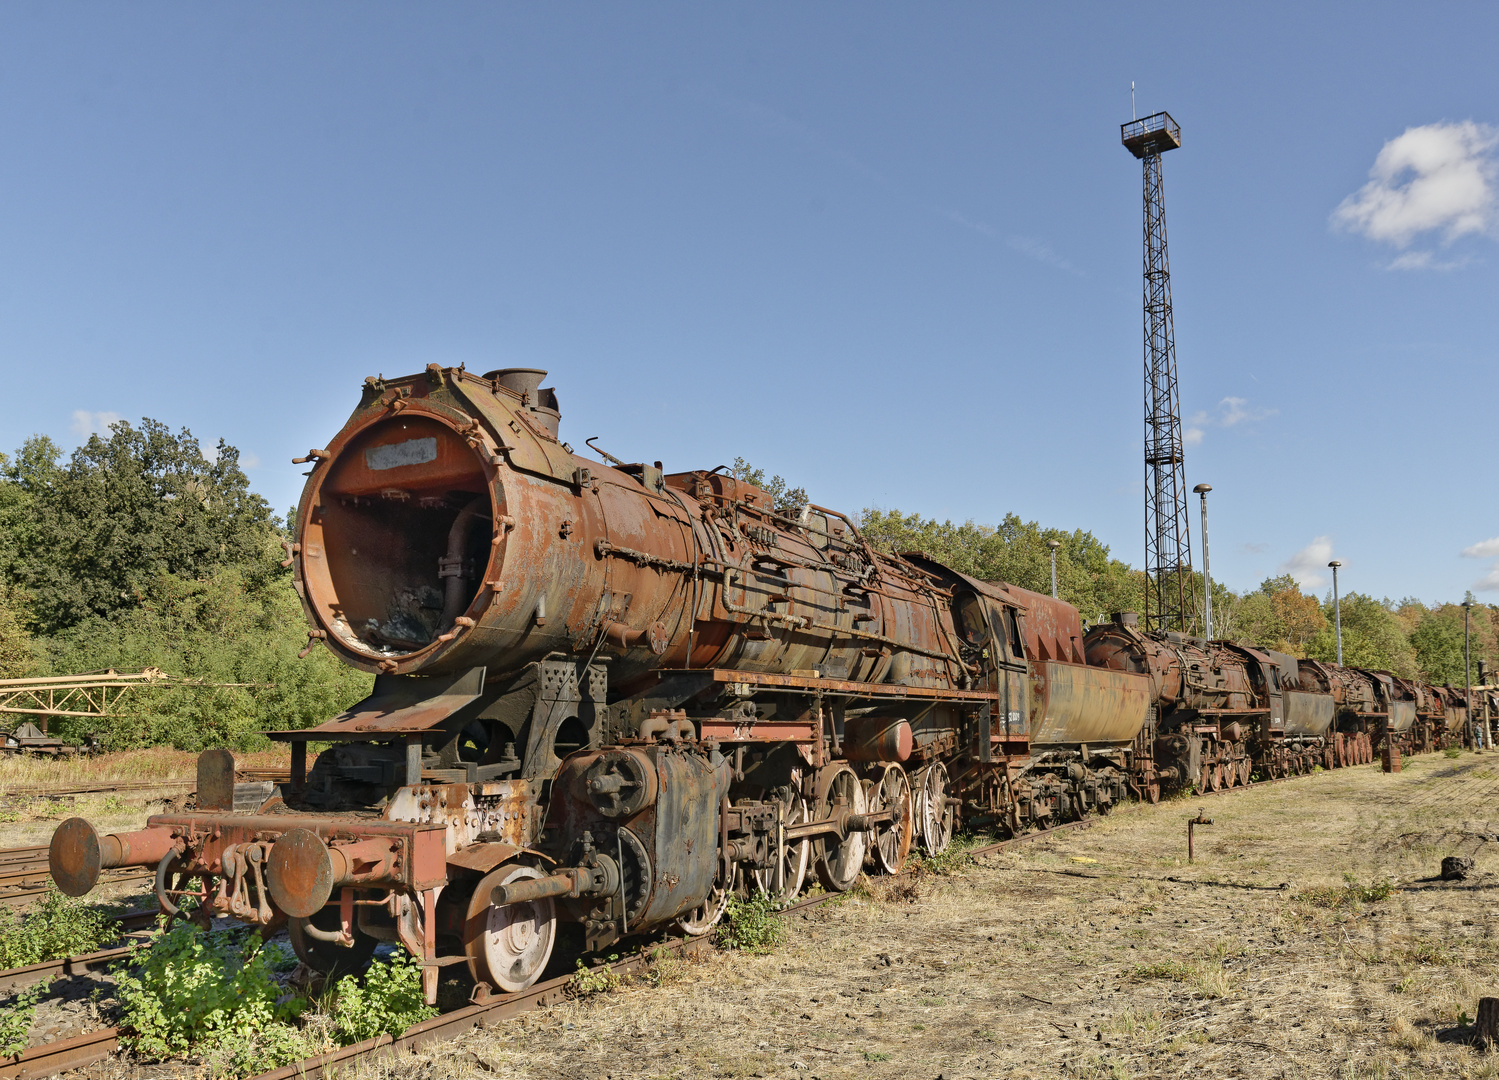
{"type": "Point", "coordinates": [606, 698]}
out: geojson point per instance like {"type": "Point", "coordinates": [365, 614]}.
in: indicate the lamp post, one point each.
{"type": "Point", "coordinates": [1053, 544]}
{"type": "Point", "coordinates": [1468, 674]}
{"type": "Point", "coordinates": [1207, 578]}
{"type": "Point", "coordinates": [1337, 611]}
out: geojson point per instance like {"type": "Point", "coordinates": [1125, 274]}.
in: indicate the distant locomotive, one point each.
{"type": "Point", "coordinates": [610, 696]}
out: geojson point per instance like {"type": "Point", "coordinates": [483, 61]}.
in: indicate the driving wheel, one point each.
{"type": "Point", "coordinates": [508, 946]}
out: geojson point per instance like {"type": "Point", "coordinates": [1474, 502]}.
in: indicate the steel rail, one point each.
{"type": "Point", "coordinates": [83, 1050]}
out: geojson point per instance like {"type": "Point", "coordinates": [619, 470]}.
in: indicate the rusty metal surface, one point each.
{"type": "Point", "coordinates": [74, 857]}
{"type": "Point", "coordinates": [1052, 629]}
{"type": "Point", "coordinates": [566, 550]}
{"type": "Point", "coordinates": [1073, 704]}
{"type": "Point", "coordinates": [61, 1056]}
{"type": "Point", "coordinates": [1308, 713]}
{"type": "Point", "coordinates": [216, 780]}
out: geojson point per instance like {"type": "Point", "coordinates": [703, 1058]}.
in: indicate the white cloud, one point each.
{"type": "Point", "coordinates": [1425, 260]}
{"type": "Point", "coordinates": [87, 423]}
{"type": "Point", "coordinates": [1485, 549]}
{"type": "Point", "coordinates": [1438, 178]}
{"type": "Point", "coordinates": [1230, 412]}
{"type": "Point", "coordinates": [1255, 549]}
{"type": "Point", "coordinates": [249, 461]}
{"type": "Point", "coordinates": [1038, 250]}
{"type": "Point", "coordinates": [1309, 565]}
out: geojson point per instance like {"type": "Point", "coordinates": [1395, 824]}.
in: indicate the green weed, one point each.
{"type": "Point", "coordinates": [16, 1020]}
{"type": "Point", "coordinates": [752, 925]}
{"type": "Point", "coordinates": [187, 990]}
{"type": "Point", "coordinates": [387, 1002]}
{"type": "Point", "coordinates": [599, 980]}
{"type": "Point", "coordinates": [1452, 752]}
{"type": "Point", "coordinates": [56, 926]}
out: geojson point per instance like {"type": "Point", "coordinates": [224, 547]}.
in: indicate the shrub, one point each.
{"type": "Point", "coordinates": [16, 1020]}
{"type": "Point", "coordinates": [389, 1001]}
{"type": "Point", "coordinates": [56, 926]}
{"type": "Point", "coordinates": [211, 992]}
{"type": "Point", "coordinates": [599, 980]}
{"type": "Point", "coordinates": [752, 925]}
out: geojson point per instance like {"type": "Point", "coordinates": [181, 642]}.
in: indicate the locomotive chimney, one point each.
{"type": "Point", "coordinates": [1125, 618]}
{"type": "Point", "coordinates": [525, 383]}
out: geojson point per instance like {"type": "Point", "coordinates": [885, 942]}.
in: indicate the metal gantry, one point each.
{"type": "Point", "coordinates": [1170, 591]}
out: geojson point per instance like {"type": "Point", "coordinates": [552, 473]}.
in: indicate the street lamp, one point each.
{"type": "Point", "coordinates": [1207, 578]}
{"type": "Point", "coordinates": [1337, 611]}
{"type": "Point", "coordinates": [1467, 672]}
{"type": "Point", "coordinates": [1053, 544]}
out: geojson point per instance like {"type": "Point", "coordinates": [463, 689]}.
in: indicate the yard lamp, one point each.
{"type": "Point", "coordinates": [1467, 671]}
{"type": "Point", "coordinates": [1053, 544]}
{"type": "Point", "coordinates": [1337, 611]}
{"type": "Point", "coordinates": [1207, 578]}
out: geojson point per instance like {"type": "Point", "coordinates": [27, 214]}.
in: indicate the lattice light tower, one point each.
{"type": "Point", "coordinates": [1170, 591]}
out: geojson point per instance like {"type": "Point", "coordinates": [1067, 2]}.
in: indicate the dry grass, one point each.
{"type": "Point", "coordinates": [27, 819]}
{"type": "Point", "coordinates": [125, 767]}
{"type": "Point", "coordinates": [1097, 954]}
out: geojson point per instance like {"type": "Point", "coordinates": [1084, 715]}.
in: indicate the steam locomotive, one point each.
{"type": "Point", "coordinates": [611, 697]}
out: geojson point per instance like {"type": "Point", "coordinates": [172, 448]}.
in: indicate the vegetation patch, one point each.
{"type": "Point", "coordinates": [224, 995]}
{"type": "Point", "coordinates": [56, 926]}
{"type": "Point", "coordinates": [752, 925]}
{"type": "Point", "coordinates": [1351, 894]}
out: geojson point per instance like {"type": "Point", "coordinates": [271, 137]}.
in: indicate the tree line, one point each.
{"type": "Point", "coordinates": [139, 549]}
{"type": "Point", "coordinates": [1405, 637]}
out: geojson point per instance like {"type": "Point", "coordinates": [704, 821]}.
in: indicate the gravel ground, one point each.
{"type": "Point", "coordinates": [1308, 939]}
{"type": "Point", "coordinates": [1097, 953]}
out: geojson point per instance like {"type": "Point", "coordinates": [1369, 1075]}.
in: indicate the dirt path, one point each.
{"type": "Point", "coordinates": [1098, 953]}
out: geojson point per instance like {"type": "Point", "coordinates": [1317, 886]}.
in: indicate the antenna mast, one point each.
{"type": "Point", "coordinates": [1170, 588]}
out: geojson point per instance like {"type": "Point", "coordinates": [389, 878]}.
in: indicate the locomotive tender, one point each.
{"type": "Point", "coordinates": [614, 696]}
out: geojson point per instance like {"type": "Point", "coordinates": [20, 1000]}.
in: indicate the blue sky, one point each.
{"type": "Point", "coordinates": [891, 252]}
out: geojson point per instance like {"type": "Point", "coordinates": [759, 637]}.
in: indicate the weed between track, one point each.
{"type": "Point", "coordinates": [56, 926]}
{"type": "Point", "coordinates": [1309, 939]}
{"type": "Point", "coordinates": [1097, 953]}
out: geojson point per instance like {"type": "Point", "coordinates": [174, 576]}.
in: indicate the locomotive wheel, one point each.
{"type": "Point", "coordinates": [508, 947]}
{"type": "Point", "coordinates": [838, 862]}
{"type": "Point", "coordinates": [1215, 777]}
{"type": "Point", "coordinates": [782, 880]}
{"type": "Point", "coordinates": [892, 841]}
{"type": "Point", "coordinates": [1327, 759]}
{"type": "Point", "coordinates": [1152, 793]}
{"type": "Point", "coordinates": [1246, 770]}
{"type": "Point", "coordinates": [1204, 780]}
{"type": "Point", "coordinates": [700, 920]}
{"type": "Point", "coordinates": [934, 818]}
{"type": "Point", "coordinates": [333, 961]}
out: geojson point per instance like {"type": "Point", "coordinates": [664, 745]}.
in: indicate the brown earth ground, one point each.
{"type": "Point", "coordinates": [1095, 953]}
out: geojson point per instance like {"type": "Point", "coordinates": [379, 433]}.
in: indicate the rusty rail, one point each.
{"type": "Point", "coordinates": [83, 1050]}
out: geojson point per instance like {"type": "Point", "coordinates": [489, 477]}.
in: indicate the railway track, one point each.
{"type": "Point", "coordinates": [88, 1049]}
{"type": "Point", "coordinates": [93, 1047]}
{"type": "Point", "coordinates": [279, 776]}
{"type": "Point", "coordinates": [24, 876]}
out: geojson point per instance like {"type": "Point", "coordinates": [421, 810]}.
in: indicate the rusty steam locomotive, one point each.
{"type": "Point", "coordinates": [611, 696]}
